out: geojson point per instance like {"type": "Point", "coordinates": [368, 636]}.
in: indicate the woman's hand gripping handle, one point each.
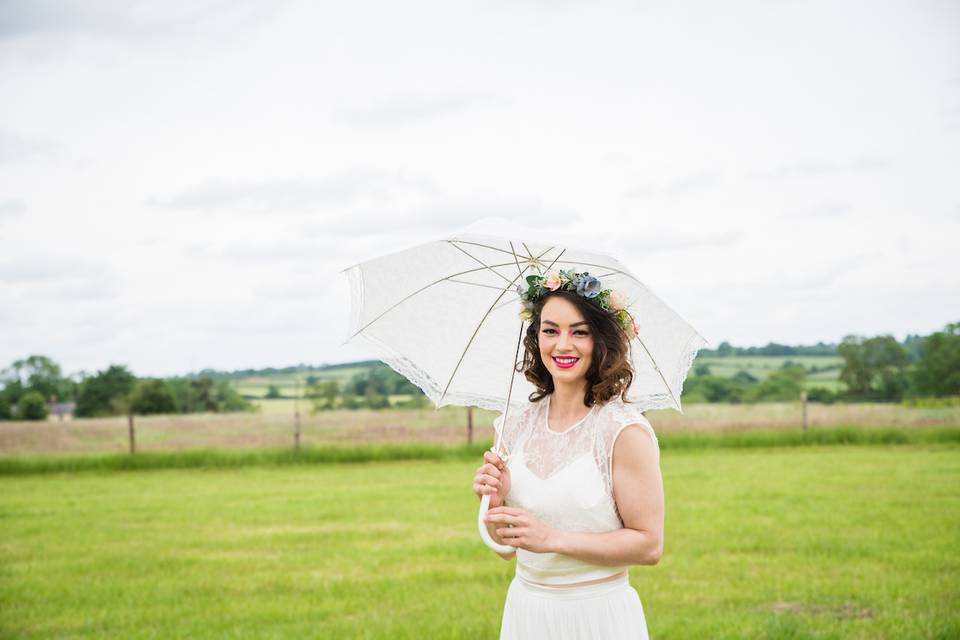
{"type": "Point", "coordinates": [492, 484]}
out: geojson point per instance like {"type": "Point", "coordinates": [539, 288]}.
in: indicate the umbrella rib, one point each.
{"type": "Point", "coordinates": [480, 261]}
{"type": "Point", "coordinates": [517, 262]}
{"type": "Point", "coordinates": [657, 368]}
{"type": "Point", "coordinates": [477, 284]}
{"type": "Point", "coordinates": [420, 290]}
{"type": "Point", "coordinates": [503, 304]}
{"type": "Point", "coordinates": [486, 246]}
{"type": "Point", "coordinates": [605, 266]}
{"type": "Point", "coordinates": [513, 367]}
{"type": "Point", "coordinates": [530, 256]}
{"type": "Point", "coordinates": [476, 330]}
{"type": "Point", "coordinates": [555, 260]}
{"type": "Point", "coordinates": [506, 406]}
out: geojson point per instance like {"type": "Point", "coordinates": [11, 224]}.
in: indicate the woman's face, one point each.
{"type": "Point", "coordinates": [564, 332]}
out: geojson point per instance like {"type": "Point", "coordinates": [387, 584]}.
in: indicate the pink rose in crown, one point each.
{"type": "Point", "coordinates": [552, 281]}
{"type": "Point", "coordinates": [636, 329]}
{"type": "Point", "coordinates": [616, 300]}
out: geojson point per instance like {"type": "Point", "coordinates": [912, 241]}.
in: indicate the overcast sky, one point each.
{"type": "Point", "coordinates": [182, 182]}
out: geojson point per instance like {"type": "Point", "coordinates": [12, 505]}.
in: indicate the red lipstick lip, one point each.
{"type": "Point", "coordinates": [565, 366]}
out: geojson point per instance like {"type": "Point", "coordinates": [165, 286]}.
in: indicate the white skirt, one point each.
{"type": "Point", "coordinates": [607, 611]}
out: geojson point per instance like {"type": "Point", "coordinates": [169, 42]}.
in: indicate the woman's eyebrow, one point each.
{"type": "Point", "coordinates": [556, 325]}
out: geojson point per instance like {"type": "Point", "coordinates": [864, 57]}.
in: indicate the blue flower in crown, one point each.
{"type": "Point", "coordinates": [588, 286]}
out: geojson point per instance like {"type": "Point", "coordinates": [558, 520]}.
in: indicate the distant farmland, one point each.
{"type": "Point", "coordinates": [826, 375]}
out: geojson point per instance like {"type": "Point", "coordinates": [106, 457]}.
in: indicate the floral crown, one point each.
{"type": "Point", "coordinates": [610, 300]}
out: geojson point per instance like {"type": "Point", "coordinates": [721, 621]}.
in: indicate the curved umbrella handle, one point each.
{"type": "Point", "coordinates": [490, 542]}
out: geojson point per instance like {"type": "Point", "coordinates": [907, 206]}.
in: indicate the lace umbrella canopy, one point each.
{"type": "Point", "coordinates": [444, 315]}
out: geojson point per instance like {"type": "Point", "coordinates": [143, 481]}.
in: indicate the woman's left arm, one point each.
{"type": "Point", "coordinates": [638, 491]}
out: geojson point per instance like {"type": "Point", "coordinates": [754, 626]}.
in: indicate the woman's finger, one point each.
{"type": "Point", "coordinates": [505, 518]}
{"type": "Point", "coordinates": [489, 468]}
{"type": "Point", "coordinates": [483, 489]}
{"type": "Point", "coordinates": [488, 480]}
{"type": "Point", "coordinates": [492, 470]}
{"type": "Point", "coordinates": [493, 459]}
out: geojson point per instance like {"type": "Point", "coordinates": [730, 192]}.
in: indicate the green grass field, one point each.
{"type": "Point", "coordinates": [802, 542]}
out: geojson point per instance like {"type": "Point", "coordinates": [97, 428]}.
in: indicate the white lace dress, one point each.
{"type": "Point", "coordinates": [565, 479]}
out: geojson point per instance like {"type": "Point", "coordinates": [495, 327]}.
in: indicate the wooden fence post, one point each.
{"type": "Point", "coordinates": [132, 437]}
{"type": "Point", "coordinates": [469, 425]}
{"type": "Point", "coordinates": [296, 416]}
{"type": "Point", "coordinates": [803, 407]}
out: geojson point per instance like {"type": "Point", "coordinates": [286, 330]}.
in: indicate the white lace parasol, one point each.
{"type": "Point", "coordinates": [445, 316]}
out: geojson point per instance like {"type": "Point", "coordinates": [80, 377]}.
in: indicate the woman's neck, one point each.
{"type": "Point", "coordinates": [566, 401]}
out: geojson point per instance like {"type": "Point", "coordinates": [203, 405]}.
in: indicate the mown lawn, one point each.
{"type": "Point", "coordinates": [805, 542]}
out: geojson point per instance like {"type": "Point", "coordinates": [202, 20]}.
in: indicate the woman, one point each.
{"type": "Point", "coordinates": [578, 491]}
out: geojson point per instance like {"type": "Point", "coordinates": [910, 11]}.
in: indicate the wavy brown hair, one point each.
{"type": "Point", "coordinates": [610, 372]}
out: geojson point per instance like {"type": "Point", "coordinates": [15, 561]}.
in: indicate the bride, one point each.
{"type": "Point", "coordinates": [577, 489]}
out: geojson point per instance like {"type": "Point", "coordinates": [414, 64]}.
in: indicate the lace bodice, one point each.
{"type": "Point", "coordinates": [565, 479]}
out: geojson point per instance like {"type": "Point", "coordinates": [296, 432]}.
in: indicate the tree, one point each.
{"type": "Point", "coordinates": [783, 385]}
{"type": "Point", "coordinates": [203, 395]}
{"type": "Point", "coordinates": [375, 379]}
{"type": "Point", "coordinates": [36, 373]}
{"type": "Point", "coordinates": [32, 406]}
{"type": "Point", "coordinates": [376, 400]}
{"type": "Point", "coordinates": [273, 392]}
{"type": "Point", "coordinates": [937, 372]}
{"type": "Point", "coordinates": [416, 401]}
{"type": "Point", "coordinates": [152, 397]}
{"type": "Point", "coordinates": [229, 399]}
{"type": "Point", "coordinates": [324, 394]}
{"type": "Point", "coordinates": [195, 395]}
{"type": "Point", "coordinates": [712, 389]}
{"type": "Point", "coordinates": [9, 396]}
{"type": "Point", "coordinates": [701, 369]}
{"type": "Point", "coordinates": [822, 395]}
{"type": "Point", "coordinates": [40, 374]}
{"type": "Point", "coordinates": [874, 368]}
{"type": "Point", "coordinates": [101, 394]}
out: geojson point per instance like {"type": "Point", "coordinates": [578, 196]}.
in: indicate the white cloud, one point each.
{"type": "Point", "coordinates": [16, 148]}
{"type": "Point", "coordinates": [412, 109]}
{"type": "Point", "coordinates": [182, 182]}
{"type": "Point", "coordinates": [11, 208]}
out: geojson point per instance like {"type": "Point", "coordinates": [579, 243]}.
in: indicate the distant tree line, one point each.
{"type": "Point", "coordinates": [29, 386]}
{"type": "Point", "coordinates": [877, 369]}
{"type": "Point", "coordinates": [240, 374]}
{"type": "Point", "coordinates": [367, 389]}
{"type": "Point", "coordinates": [725, 349]}
{"type": "Point", "coordinates": [911, 344]}
{"type": "Point", "coordinates": [783, 385]}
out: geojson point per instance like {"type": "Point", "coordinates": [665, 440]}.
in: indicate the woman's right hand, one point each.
{"type": "Point", "coordinates": [493, 477]}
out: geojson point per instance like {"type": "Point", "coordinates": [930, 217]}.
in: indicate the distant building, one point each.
{"type": "Point", "coordinates": [63, 409]}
